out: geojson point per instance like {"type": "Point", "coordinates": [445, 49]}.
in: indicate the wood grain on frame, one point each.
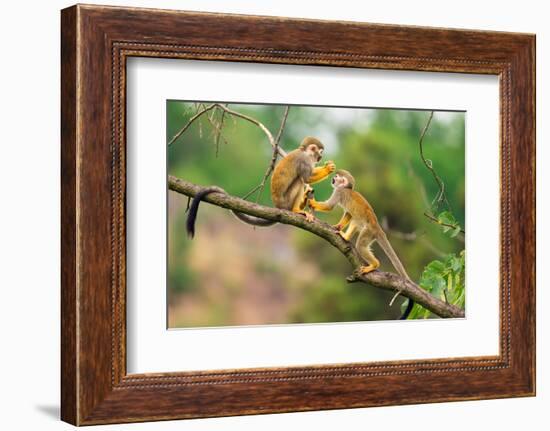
{"type": "Point", "coordinates": [95, 42]}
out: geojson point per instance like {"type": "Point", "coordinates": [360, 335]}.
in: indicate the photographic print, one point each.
{"type": "Point", "coordinates": [389, 182]}
{"type": "Point", "coordinates": [257, 224]}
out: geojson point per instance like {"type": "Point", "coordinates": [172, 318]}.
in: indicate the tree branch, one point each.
{"type": "Point", "coordinates": [437, 221]}
{"type": "Point", "coordinates": [191, 121]}
{"type": "Point", "coordinates": [441, 195]}
{"type": "Point", "coordinates": [274, 156]}
{"type": "Point", "coordinates": [411, 236]}
{"type": "Point", "coordinates": [379, 279]}
{"type": "Point", "coordinates": [229, 111]}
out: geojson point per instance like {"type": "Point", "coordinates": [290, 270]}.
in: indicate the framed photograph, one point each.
{"type": "Point", "coordinates": [282, 215]}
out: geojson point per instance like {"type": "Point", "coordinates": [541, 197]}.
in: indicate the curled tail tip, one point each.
{"type": "Point", "coordinates": [190, 233]}
{"type": "Point", "coordinates": [194, 208]}
{"type": "Point", "coordinates": [190, 228]}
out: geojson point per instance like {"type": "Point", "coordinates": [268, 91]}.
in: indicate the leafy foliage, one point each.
{"type": "Point", "coordinates": [443, 279]}
{"type": "Point", "coordinates": [448, 223]}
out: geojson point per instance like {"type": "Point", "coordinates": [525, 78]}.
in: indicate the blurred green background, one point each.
{"type": "Point", "coordinates": [235, 274]}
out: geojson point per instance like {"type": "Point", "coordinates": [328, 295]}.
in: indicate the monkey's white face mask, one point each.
{"type": "Point", "coordinates": [314, 153]}
{"type": "Point", "coordinates": [339, 182]}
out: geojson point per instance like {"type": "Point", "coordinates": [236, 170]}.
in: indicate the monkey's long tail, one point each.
{"type": "Point", "coordinates": [194, 209]}
{"type": "Point", "coordinates": [254, 221]}
{"type": "Point", "coordinates": [388, 249]}
{"type": "Point", "coordinates": [408, 310]}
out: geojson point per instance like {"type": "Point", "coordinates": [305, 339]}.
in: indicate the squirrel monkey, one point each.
{"type": "Point", "coordinates": [359, 216]}
{"type": "Point", "coordinates": [289, 184]}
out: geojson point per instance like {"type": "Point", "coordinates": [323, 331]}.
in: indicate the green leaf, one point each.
{"type": "Point", "coordinates": [442, 276]}
{"type": "Point", "coordinates": [434, 267]}
{"type": "Point", "coordinates": [447, 217]}
{"type": "Point", "coordinates": [448, 223]}
{"type": "Point", "coordinates": [456, 231]}
{"type": "Point", "coordinates": [455, 264]}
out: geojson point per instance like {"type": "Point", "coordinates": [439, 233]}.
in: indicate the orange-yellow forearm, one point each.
{"type": "Point", "coordinates": [320, 206]}
{"type": "Point", "coordinates": [321, 172]}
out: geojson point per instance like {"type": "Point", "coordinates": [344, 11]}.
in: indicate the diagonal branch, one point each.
{"type": "Point", "coordinates": [379, 279]}
{"type": "Point", "coordinates": [274, 156]}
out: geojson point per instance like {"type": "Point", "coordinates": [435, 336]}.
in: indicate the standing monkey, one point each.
{"type": "Point", "coordinates": [289, 184]}
{"type": "Point", "coordinates": [360, 216]}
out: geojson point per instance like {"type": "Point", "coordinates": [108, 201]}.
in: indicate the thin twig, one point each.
{"type": "Point", "coordinates": [274, 155]}
{"type": "Point", "coordinates": [411, 236]}
{"type": "Point", "coordinates": [198, 107]}
{"type": "Point", "coordinates": [436, 220]}
{"type": "Point", "coordinates": [219, 133]}
{"type": "Point", "coordinates": [217, 128]}
{"type": "Point", "coordinates": [251, 192]}
{"type": "Point", "coordinates": [252, 120]}
{"type": "Point", "coordinates": [191, 121]}
{"type": "Point", "coordinates": [264, 129]}
{"type": "Point", "coordinates": [441, 195]}
{"type": "Point", "coordinates": [282, 126]}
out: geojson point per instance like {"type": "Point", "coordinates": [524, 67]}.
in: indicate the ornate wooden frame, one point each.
{"type": "Point", "coordinates": [95, 42]}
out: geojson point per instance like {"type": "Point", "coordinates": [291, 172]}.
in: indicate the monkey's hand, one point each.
{"type": "Point", "coordinates": [337, 227]}
{"type": "Point", "coordinates": [320, 206]}
{"type": "Point", "coordinates": [321, 172]}
{"type": "Point", "coordinates": [308, 191]}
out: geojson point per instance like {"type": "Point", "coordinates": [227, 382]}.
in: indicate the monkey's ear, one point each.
{"type": "Point", "coordinates": [350, 182]}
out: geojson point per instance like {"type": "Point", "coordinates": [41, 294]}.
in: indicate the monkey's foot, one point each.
{"type": "Point", "coordinates": [343, 235]}
{"type": "Point", "coordinates": [309, 217]}
{"type": "Point", "coordinates": [363, 270]}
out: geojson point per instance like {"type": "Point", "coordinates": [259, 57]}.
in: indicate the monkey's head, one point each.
{"type": "Point", "coordinates": [313, 147]}
{"type": "Point", "coordinates": [343, 180]}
